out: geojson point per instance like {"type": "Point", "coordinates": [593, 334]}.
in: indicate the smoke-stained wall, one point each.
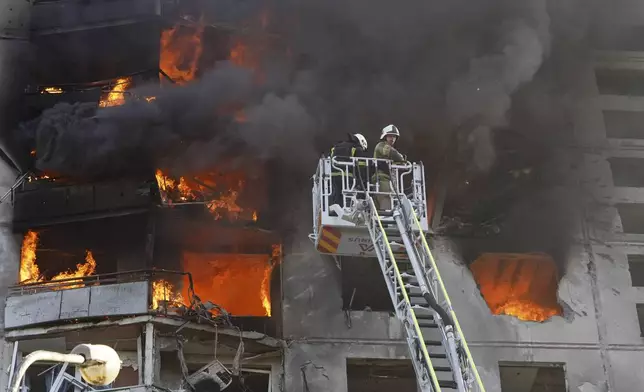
{"type": "Point", "coordinates": [453, 77]}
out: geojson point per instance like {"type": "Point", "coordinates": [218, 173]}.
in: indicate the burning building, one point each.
{"type": "Point", "coordinates": [152, 214]}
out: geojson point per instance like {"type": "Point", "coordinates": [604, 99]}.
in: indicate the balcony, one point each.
{"type": "Point", "coordinates": [107, 295]}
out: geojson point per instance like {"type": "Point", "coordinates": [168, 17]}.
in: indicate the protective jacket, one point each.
{"type": "Point", "coordinates": [347, 149]}
{"type": "Point", "coordinates": [384, 151]}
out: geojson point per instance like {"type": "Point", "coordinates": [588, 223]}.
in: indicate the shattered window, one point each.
{"type": "Point", "coordinates": [532, 377]}
{"type": "Point", "coordinates": [379, 375]}
{"type": "Point", "coordinates": [640, 317]}
{"type": "Point", "coordinates": [636, 268]}
{"type": "Point", "coordinates": [363, 287]}
{"type": "Point", "coordinates": [632, 217]}
{"type": "Point", "coordinates": [621, 124]}
{"type": "Point", "coordinates": [627, 172]}
{"type": "Point", "coordinates": [620, 82]}
{"type": "Point", "coordinates": [522, 285]}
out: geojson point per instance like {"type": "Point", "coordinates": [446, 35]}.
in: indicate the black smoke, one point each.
{"type": "Point", "coordinates": [456, 77]}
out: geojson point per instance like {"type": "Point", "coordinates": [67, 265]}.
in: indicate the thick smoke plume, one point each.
{"type": "Point", "coordinates": [456, 77]}
{"type": "Point", "coordinates": [439, 71]}
{"type": "Point", "coordinates": [189, 127]}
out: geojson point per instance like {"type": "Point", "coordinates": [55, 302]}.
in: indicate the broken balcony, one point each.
{"type": "Point", "coordinates": [152, 349]}
{"type": "Point", "coordinates": [44, 201]}
{"type": "Point", "coordinates": [95, 249]}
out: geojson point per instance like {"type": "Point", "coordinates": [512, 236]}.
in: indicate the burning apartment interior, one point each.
{"type": "Point", "coordinates": [127, 242]}
{"type": "Point", "coordinates": [150, 257]}
{"type": "Point", "coordinates": [512, 225]}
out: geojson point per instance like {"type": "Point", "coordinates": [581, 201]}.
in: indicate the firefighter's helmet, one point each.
{"type": "Point", "coordinates": [362, 140]}
{"type": "Point", "coordinates": [390, 130]}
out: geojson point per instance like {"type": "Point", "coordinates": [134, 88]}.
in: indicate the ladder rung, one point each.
{"type": "Point", "coordinates": [442, 368]}
{"type": "Point", "coordinates": [426, 323]}
{"type": "Point", "coordinates": [385, 213]}
{"type": "Point", "coordinates": [435, 343]}
{"type": "Point", "coordinates": [447, 384]}
{"type": "Point", "coordinates": [416, 290]}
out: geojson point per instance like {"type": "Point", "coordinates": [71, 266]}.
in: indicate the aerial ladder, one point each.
{"type": "Point", "coordinates": [355, 227]}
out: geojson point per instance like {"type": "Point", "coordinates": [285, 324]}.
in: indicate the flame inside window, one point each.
{"type": "Point", "coordinates": [30, 273]}
{"type": "Point", "coordinates": [218, 192]}
{"type": "Point", "coordinates": [51, 90]}
{"type": "Point", "coordinates": [519, 285]}
{"type": "Point", "coordinates": [239, 283]}
{"type": "Point", "coordinates": [162, 290]}
{"type": "Point", "coordinates": [116, 96]}
{"type": "Point", "coordinates": [248, 55]}
{"type": "Point", "coordinates": [181, 49]}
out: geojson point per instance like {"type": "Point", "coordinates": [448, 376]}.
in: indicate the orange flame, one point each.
{"type": "Point", "coordinates": [169, 186]}
{"type": "Point", "coordinates": [242, 56]}
{"type": "Point", "coordinates": [31, 178]}
{"type": "Point", "coordinates": [276, 258]}
{"type": "Point", "coordinates": [519, 285]}
{"type": "Point", "coordinates": [239, 283]}
{"type": "Point", "coordinates": [29, 272]}
{"type": "Point", "coordinates": [165, 183]}
{"type": "Point", "coordinates": [266, 291]}
{"type": "Point", "coordinates": [225, 202]}
{"type": "Point", "coordinates": [52, 90]}
{"type": "Point", "coordinates": [162, 290]}
{"type": "Point", "coordinates": [181, 50]}
{"type": "Point", "coordinates": [200, 189]}
{"type": "Point", "coordinates": [116, 96]}
{"type": "Point", "coordinates": [86, 269]}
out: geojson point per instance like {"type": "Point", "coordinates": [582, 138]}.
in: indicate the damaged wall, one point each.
{"type": "Point", "coordinates": [9, 262]}
{"type": "Point", "coordinates": [598, 338]}
{"type": "Point", "coordinates": [12, 51]}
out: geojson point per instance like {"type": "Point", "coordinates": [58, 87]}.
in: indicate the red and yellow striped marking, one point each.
{"type": "Point", "coordinates": [401, 256]}
{"type": "Point", "coordinates": [329, 240]}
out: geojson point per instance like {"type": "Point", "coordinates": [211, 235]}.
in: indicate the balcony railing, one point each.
{"type": "Point", "coordinates": [114, 294]}
{"type": "Point", "coordinates": [149, 276]}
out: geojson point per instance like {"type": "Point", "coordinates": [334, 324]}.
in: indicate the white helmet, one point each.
{"type": "Point", "coordinates": [389, 130]}
{"type": "Point", "coordinates": [362, 140]}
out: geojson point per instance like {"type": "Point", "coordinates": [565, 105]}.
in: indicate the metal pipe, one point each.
{"type": "Point", "coordinates": [14, 358]}
{"type": "Point", "coordinates": [453, 358]}
{"type": "Point", "coordinates": [42, 355]}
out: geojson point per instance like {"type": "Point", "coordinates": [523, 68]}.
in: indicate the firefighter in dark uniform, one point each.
{"type": "Point", "coordinates": [385, 150]}
{"type": "Point", "coordinates": [355, 146]}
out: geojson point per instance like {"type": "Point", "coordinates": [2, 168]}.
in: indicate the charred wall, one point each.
{"type": "Point", "coordinates": [95, 54]}
{"type": "Point", "coordinates": [525, 203]}
{"type": "Point", "coordinates": [117, 244]}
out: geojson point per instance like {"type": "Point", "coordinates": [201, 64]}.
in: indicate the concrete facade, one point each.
{"type": "Point", "coordinates": [598, 341]}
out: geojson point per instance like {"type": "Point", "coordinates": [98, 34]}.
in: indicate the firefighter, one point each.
{"type": "Point", "coordinates": [355, 146]}
{"type": "Point", "coordinates": [385, 150]}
